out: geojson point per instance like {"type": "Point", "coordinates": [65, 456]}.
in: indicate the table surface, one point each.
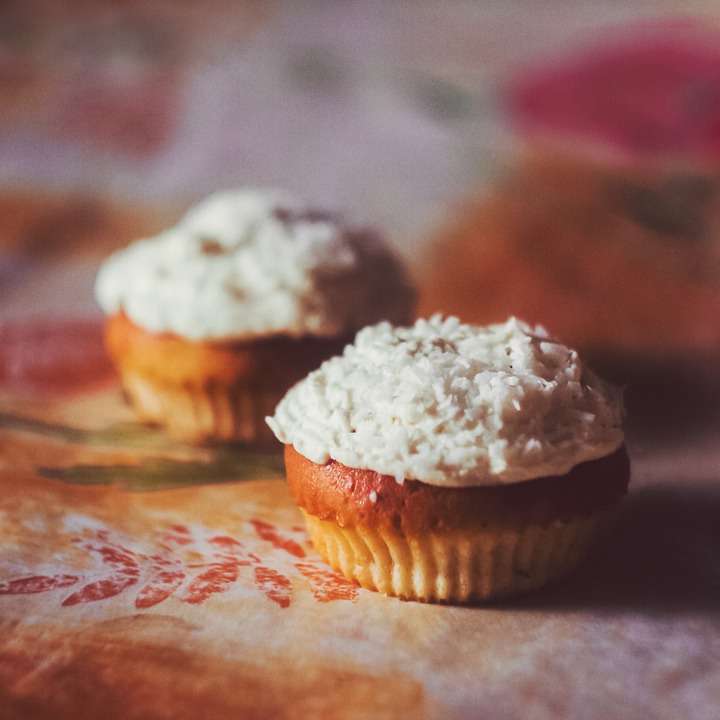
{"type": "Point", "coordinates": [142, 578]}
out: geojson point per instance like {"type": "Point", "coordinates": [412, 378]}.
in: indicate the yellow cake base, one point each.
{"type": "Point", "coordinates": [197, 414]}
{"type": "Point", "coordinates": [456, 566]}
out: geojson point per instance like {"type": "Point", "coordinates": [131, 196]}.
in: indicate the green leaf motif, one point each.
{"type": "Point", "coordinates": [127, 435]}
{"type": "Point", "coordinates": [228, 463]}
{"type": "Point", "coordinates": [162, 474]}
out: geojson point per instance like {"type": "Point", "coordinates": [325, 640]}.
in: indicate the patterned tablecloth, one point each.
{"type": "Point", "coordinates": [143, 578]}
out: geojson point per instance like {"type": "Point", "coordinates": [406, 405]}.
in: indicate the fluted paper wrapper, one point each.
{"type": "Point", "coordinates": [212, 411]}
{"type": "Point", "coordinates": [456, 566]}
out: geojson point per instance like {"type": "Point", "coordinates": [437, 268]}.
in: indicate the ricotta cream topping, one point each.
{"type": "Point", "coordinates": [248, 263]}
{"type": "Point", "coordinates": [452, 404]}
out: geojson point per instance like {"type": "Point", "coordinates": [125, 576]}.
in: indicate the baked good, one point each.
{"type": "Point", "coordinates": [211, 321]}
{"type": "Point", "coordinates": [451, 462]}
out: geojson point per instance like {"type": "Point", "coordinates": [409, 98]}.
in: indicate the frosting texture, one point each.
{"type": "Point", "coordinates": [248, 263]}
{"type": "Point", "coordinates": [452, 404]}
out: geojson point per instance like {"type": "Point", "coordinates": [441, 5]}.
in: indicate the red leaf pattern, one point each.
{"type": "Point", "coordinates": [36, 584]}
{"type": "Point", "coordinates": [166, 576]}
{"type": "Point", "coordinates": [276, 586]}
{"type": "Point", "coordinates": [327, 585]}
{"type": "Point", "coordinates": [216, 579]}
{"type": "Point", "coordinates": [269, 532]}
{"type": "Point", "coordinates": [189, 564]}
{"type": "Point", "coordinates": [125, 572]}
{"type": "Point", "coordinates": [220, 575]}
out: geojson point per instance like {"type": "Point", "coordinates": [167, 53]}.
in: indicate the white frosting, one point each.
{"type": "Point", "coordinates": [248, 263]}
{"type": "Point", "coordinates": [453, 404]}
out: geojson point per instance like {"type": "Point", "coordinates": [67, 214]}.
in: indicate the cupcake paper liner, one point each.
{"type": "Point", "coordinates": [456, 566]}
{"type": "Point", "coordinates": [210, 412]}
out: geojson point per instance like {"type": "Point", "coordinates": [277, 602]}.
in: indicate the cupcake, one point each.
{"type": "Point", "coordinates": [211, 321]}
{"type": "Point", "coordinates": [449, 462]}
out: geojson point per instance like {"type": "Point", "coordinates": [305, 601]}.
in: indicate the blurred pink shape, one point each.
{"type": "Point", "coordinates": [647, 91]}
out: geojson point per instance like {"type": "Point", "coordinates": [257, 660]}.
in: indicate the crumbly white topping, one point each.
{"type": "Point", "coordinates": [249, 263]}
{"type": "Point", "coordinates": [453, 404]}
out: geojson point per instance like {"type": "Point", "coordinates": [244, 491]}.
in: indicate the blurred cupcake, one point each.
{"type": "Point", "coordinates": [451, 462]}
{"type": "Point", "coordinates": [210, 322]}
{"type": "Point", "coordinates": [608, 224]}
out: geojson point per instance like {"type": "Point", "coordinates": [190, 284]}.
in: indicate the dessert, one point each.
{"type": "Point", "coordinates": [212, 320]}
{"type": "Point", "coordinates": [451, 462]}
